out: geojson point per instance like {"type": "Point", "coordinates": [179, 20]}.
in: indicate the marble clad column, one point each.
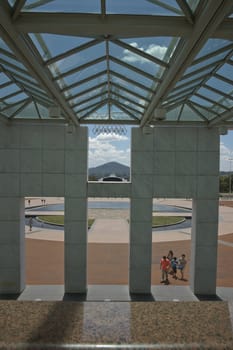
{"type": "Point", "coordinates": [203, 268]}
{"type": "Point", "coordinates": [204, 244]}
{"type": "Point", "coordinates": [141, 212]}
{"type": "Point", "coordinates": [12, 245]}
{"type": "Point", "coordinates": [76, 211]}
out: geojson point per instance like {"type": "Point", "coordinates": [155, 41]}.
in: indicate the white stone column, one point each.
{"type": "Point", "coordinates": [141, 212]}
{"type": "Point", "coordinates": [140, 245]}
{"type": "Point", "coordinates": [76, 211]}
{"type": "Point", "coordinates": [203, 266]}
{"type": "Point", "coordinates": [12, 245]}
{"type": "Point", "coordinates": [204, 243]}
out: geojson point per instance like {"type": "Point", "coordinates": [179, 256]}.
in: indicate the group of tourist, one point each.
{"type": "Point", "coordinates": [171, 265]}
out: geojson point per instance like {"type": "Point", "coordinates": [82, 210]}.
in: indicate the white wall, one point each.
{"type": "Point", "coordinates": [45, 160]}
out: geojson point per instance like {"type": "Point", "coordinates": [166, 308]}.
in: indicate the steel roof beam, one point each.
{"type": "Point", "coordinates": [119, 26]}
{"type": "Point", "coordinates": [92, 25]}
{"type": "Point", "coordinates": [224, 117]}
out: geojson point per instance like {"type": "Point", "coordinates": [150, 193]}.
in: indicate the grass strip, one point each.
{"type": "Point", "coordinates": [156, 220]}
{"type": "Point", "coordinates": [57, 220]}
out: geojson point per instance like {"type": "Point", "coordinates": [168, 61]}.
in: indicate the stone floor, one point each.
{"type": "Point", "coordinates": [43, 316]}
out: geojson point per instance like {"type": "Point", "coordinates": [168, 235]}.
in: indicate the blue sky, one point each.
{"type": "Point", "coordinates": [107, 148]}
{"type": "Point", "coordinates": [226, 152]}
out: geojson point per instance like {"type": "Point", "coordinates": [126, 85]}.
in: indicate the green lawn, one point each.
{"type": "Point", "coordinates": [57, 219]}
{"type": "Point", "coordinates": [166, 220]}
{"type": "Point", "coordinates": [156, 220]}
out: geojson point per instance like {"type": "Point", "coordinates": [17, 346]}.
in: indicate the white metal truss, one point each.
{"type": "Point", "coordinates": [37, 79]}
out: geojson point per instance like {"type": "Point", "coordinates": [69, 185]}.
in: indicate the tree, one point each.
{"type": "Point", "coordinates": [224, 183]}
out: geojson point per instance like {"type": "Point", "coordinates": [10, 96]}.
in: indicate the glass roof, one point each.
{"type": "Point", "coordinates": [117, 61]}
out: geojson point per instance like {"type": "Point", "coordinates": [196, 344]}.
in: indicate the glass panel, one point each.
{"type": "Point", "coordinates": [206, 62]}
{"type": "Point", "coordinates": [89, 94]}
{"type": "Point", "coordinates": [142, 7]}
{"type": "Point", "coordinates": [91, 6]}
{"type": "Point", "coordinates": [188, 85]}
{"type": "Point", "coordinates": [77, 59]}
{"type": "Point", "coordinates": [87, 85]}
{"type": "Point", "coordinates": [136, 60]}
{"type": "Point", "coordinates": [189, 115]}
{"type": "Point", "coordinates": [50, 45]}
{"type": "Point", "coordinates": [193, 4]}
{"type": "Point", "coordinates": [227, 71]}
{"type": "Point", "coordinates": [128, 73]}
{"type": "Point", "coordinates": [201, 101]}
{"type": "Point", "coordinates": [3, 78]}
{"type": "Point", "coordinates": [11, 61]}
{"type": "Point", "coordinates": [4, 46]}
{"type": "Point", "coordinates": [18, 97]}
{"type": "Point", "coordinates": [89, 105]}
{"type": "Point", "coordinates": [81, 74]}
{"type": "Point", "coordinates": [173, 114]}
{"type": "Point", "coordinates": [200, 74]}
{"type": "Point", "coordinates": [212, 45]}
{"type": "Point", "coordinates": [209, 114]}
{"type": "Point", "coordinates": [209, 94]}
{"type": "Point", "coordinates": [156, 47]}
{"type": "Point", "coordinates": [30, 112]}
{"type": "Point", "coordinates": [220, 85]}
{"type": "Point", "coordinates": [129, 86]}
{"type": "Point", "coordinates": [11, 2]}
{"type": "Point", "coordinates": [7, 90]}
{"type": "Point", "coordinates": [184, 90]}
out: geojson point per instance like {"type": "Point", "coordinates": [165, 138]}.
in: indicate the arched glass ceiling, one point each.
{"type": "Point", "coordinates": [117, 61]}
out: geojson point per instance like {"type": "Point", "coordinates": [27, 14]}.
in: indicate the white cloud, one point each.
{"type": "Point", "coordinates": [226, 158]}
{"type": "Point", "coordinates": [105, 148]}
{"type": "Point", "coordinates": [153, 50]}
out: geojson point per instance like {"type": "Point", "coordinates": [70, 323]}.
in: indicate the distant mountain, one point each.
{"type": "Point", "coordinates": [111, 168]}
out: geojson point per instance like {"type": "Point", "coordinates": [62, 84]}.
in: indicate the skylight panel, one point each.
{"type": "Point", "coordinates": [204, 63]}
{"type": "Point", "coordinates": [205, 92]}
{"type": "Point", "coordinates": [220, 85]}
{"type": "Point", "coordinates": [156, 47]}
{"type": "Point", "coordinates": [142, 7]}
{"type": "Point", "coordinates": [88, 94]}
{"type": "Point", "coordinates": [8, 90]}
{"type": "Point", "coordinates": [4, 46]}
{"type": "Point", "coordinates": [195, 75]}
{"type": "Point", "coordinates": [12, 2]}
{"type": "Point", "coordinates": [51, 45]}
{"type": "Point", "coordinates": [3, 78]}
{"type": "Point", "coordinates": [9, 60]}
{"type": "Point", "coordinates": [193, 4]}
{"type": "Point", "coordinates": [201, 101]}
{"type": "Point", "coordinates": [213, 45]}
{"type": "Point", "coordinates": [138, 61]}
{"type": "Point", "coordinates": [88, 6]}
{"type": "Point", "coordinates": [80, 74]}
{"type": "Point", "coordinates": [227, 71]}
{"type": "Point", "coordinates": [15, 98]}
{"type": "Point", "coordinates": [68, 63]}
{"type": "Point", "coordinates": [87, 85]}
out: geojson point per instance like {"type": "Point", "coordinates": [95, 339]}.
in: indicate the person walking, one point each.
{"type": "Point", "coordinates": [30, 223]}
{"type": "Point", "coordinates": [174, 267]}
{"type": "Point", "coordinates": [181, 265]}
{"type": "Point", "coordinates": [164, 267]}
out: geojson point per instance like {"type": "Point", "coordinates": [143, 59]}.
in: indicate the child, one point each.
{"type": "Point", "coordinates": [181, 265]}
{"type": "Point", "coordinates": [174, 267]}
{"type": "Point", "coordinates": [165, 266]}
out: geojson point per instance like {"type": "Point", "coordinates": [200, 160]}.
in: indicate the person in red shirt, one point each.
{"type": "Point", "coordinates": [165, 265]}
